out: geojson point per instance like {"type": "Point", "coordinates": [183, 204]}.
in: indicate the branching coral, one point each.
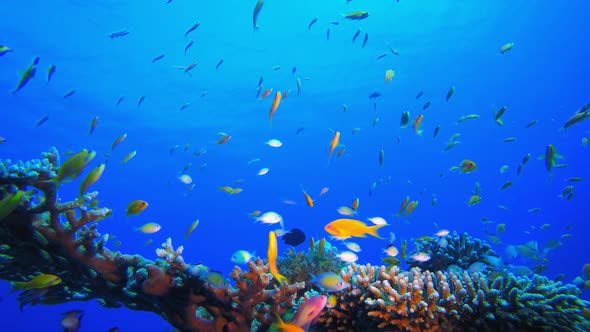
{"type": "Point", "coordinates": [461, 250]}
{"type": "Point", "coordinates": [381, 299]}
{"type": "Point", "coordinates": [320, 257]}
{"type": "Point", "coordinates": [44, 235]}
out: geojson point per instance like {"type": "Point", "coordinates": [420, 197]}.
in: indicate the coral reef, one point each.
{"type": "Point", "coordinates": [461, 250]}
{"type": "Point", "coordinates": [381, 300]}
{"type": "Point", "coordinates": [320, 257]}
{"type": "Point", "coordinates": [41, 234]}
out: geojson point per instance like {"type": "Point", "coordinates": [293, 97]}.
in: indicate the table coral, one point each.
{"type": "Point", "coordinates": [461, 250]}
{"type": "Point", "coordinates": [415, 300]}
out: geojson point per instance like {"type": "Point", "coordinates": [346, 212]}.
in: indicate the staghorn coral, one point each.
{"type": "Point", "coordinates": [320, 257]}
{"type": "Point", "coordinates": [45, 235]}
{"type": "Point", "coordinates": [461, 250]}
{"type": "Point", "coordinates": [380, 300]}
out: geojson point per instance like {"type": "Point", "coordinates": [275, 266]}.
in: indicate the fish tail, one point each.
{"type": "Point", "coordinates": [500, 122]}
{"type": "Point", "coordinates": [373, 230]}
{"type": "Point", "coordinates": [16, 286]}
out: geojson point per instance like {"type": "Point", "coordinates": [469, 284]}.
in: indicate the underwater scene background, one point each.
{"type": "Point", "coordinates": [188, 85]}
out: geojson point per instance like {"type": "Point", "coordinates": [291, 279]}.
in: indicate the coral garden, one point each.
{"type": "Point", "coordinates": [42, 234]}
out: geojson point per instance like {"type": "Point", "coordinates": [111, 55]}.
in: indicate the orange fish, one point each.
{"type": "Point", "coordinates": [467, 166]}
{"type": "Point", "coordinates": [271, 254]}
{"type": "Point", "coordinates": [334, 144]}
{"type": "Point", "coordinates": [275, 105]}
{"type": "Point", "coordinates": [266, 93]}
{"type": "Point", "coordinates": [224, 138]}
{"type": "Point", "coordinates": [307, 198]}
{"type": "Point", "coordinates": [346, 228]}
{"type": "Point", "coordinates": [417, 123]}
{"type": "Point", "coordinates": [355, 203]}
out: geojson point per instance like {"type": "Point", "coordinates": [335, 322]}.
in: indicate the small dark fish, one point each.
{"type": "Point", "coordinates": [381, 56]}
{"type": "Point", "coordinates": [315, 19]}
{"type": "Point", "coordinates": [50, 72]}
{"type": "Point", "coordinates": [526, 159]}
{"type": "Point", "coordinates": [93, 124]}
{"type": "Point", "coordinates": [141, 99]}
{"type": "Point", "coordinates": [405, 119]}
{"type": "Point", "coordinates": [328, 34]}
{"type": "Point", "coordinates": [436, 130]}
{"type": "Point", "coordinates": [299, 131]}
{"type": "Point", "coordinates": [393, 51]}
{"type": "Point", "coordinates": [119, 101]}
{"type": "Point", "coordinates": [218, 64]}
{"type": "Point", "coordinates": [574, 179]}
{"type": "Point", "coordinates": [293, 70]}
{"type": "Point", "coordinates": [356, 34]}
{"type": "Point", "coordinates": [32, 297]}
{"type": "Point", "coordinates": [381, 157]}
{"type": "Point", "coordinates": [188, 46]}
{"type": "Point", "coordinates": [69, 94]}
{"type": "Point", "coordinates": [509, 139]}
{"type": "Point", "coordinates": [419, 94]}
{"type": "Point", "coordinates": [42, 120]}
{"type": "Point", "coordinates": [260, 80]}
{"type": "Point", "coordinates": [365, 40]}
{"type": "Point", "coordinates": [192, 28]}
{"type": "Point", "coordinates": [398, 139]}
{"type": "Point", "coordinates": [374, 95]}
{"type": "Point", "coordinates": [506, 185]}
{"type": "Point", "coordinates": [116, 329]}
{"type": "Point", "coordinates": [159, 57]}
{"type": "Point", "coordinates": [294, 237]}
{"type": "Point", "coordinates": [118, 34]}
{"type": "Point", "coordinates": [426, 105]}
{"type": "Point", "coordinates": [450, 93]}
{"type": "Point", "coordinates": [71, 320]}
{"type": "Point", "coordinates": [530, 124]}
{"type": "Point", "coordinates": [519, 169]}
{"type": "Point", "coordinates": [334, 22]}
{"type": "Point", "coordinates": [257, 9]}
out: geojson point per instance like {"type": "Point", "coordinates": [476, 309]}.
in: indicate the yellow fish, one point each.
{"type": "Point", "coordinates": [506, 47]}
{"type": "Point", "coordinates": [411, 207]}
{"type": "Point", "coordinates": [40, 281]}
{"type": "Point", "coordinates": [191, 228]}
{"type": "Point", "coordinates": [271, 254]}
{"type": "Point", "coordinates": [347, 228]}
{"type": "Point", "coordinates": [389, 75]}
{"type": "Point", "coordinates": [149, 228]}
{"type": "Point", "coordinates": [136, 207]}
{"type": "Point", "coordinates": [9, 203]}
{"type": "Point", "coordinates": [128, 157]}
{"type": "Point", "coordinates": [91, 178]}
{"type": "Point", "coordinates": [73, 166]}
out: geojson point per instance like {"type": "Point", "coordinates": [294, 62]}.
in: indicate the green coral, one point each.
{"type": "Point", "coordinates": [320, 257]}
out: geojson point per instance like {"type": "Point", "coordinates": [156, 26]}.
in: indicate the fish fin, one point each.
{"type": "Point", "coordinates": [373, 230]}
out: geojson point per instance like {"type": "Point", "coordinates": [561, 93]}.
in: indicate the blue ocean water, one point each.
{"type": "Point", "coordinates": [440, 43]}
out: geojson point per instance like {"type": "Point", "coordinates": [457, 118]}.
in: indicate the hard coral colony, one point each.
{"type": "Point", "coordinates": [61, 239]}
